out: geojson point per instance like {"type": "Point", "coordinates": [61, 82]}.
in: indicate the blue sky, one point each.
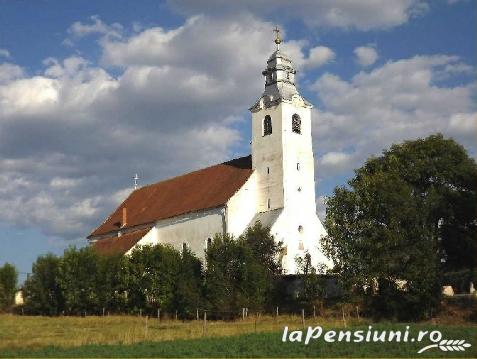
{"type": "Point", "coordinates": [93, 92]}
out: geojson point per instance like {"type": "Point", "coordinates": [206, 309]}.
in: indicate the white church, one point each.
{"type": "Point", "coordinates": [274, 185]}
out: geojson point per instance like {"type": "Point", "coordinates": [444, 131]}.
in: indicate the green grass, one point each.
{"type": "Point", "coordinates": [265, 345]}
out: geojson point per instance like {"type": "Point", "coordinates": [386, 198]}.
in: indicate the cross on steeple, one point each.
{"type": "Point", "coordinates": [278, 40]}
{"type": "Point", "coordinates": [136, 177]}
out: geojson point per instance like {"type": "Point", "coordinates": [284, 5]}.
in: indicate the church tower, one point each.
{"type": "Point", "coordinates": [282, 157]}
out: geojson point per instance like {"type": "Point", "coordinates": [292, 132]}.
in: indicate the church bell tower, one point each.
{"type": "Point", "coordinates": [282, 153]}
{"type": "Point", "coordinates": [282, 156]}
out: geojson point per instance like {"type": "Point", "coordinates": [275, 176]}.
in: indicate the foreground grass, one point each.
{"type": "Point", "coordinates": [264, 345]}
{"type": "Point", "coordinates": [29, 332]}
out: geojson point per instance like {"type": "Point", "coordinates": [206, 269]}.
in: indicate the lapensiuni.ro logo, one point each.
{"type": "Point", "coordinates": [371, 335]}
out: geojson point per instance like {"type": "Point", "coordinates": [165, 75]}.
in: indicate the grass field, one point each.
{"type": "Point", "coordinates": [127, 336]}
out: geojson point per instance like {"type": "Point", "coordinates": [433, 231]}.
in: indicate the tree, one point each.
{"type": "Point", "coordinates": [241, 272]}
{"type": "Point", "coordinates": [398, 224]}
{"type": "Point", "coordinates": [8, 285]}
{"type": "Point", "coordinates": [78, 280]}
{"type": "Point", "coordinates": [313, 284]}
{"type": "Point", "coordinates": [152, 274]}
{"type": "Point", "coordinates": [264, 247]}
{"type": "Point", "coordinates": [188, 288]}
{"type": "Point", "coordinates": [111, 284]}
{"type": "Point", "coordinates": [42, 292]}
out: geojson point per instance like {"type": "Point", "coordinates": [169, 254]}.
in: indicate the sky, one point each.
{"type": "Point", "coordinates": [93, 92]}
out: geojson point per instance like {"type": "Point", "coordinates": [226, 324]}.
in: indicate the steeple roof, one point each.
{"type": "Point", "coordinates": [279, 81]}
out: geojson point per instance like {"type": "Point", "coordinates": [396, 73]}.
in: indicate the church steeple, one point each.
{"type": "Point", "coordinates": [278, 40]}
{"type": "Point", "coordinates": [279, 79]}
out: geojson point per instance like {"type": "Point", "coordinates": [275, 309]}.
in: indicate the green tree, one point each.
{"type": "Point", "coordinates": [111, 284]}
{"type": "Point", "coordinates": [406, 216]}
{"type": "Point", "coordinates": [241, 272]}
{"type": "Point", "coordinates": [313, 284]}
{"type": "Point", "coordinates": [8, 285]}
{"type": "Point", "coordinates": [264, 247]}
{"type": "Point", "coordinates": [152, 275]}
{"type": "Point", "coordinates": [188, 288]}
{"type": "Point", "coordinates": [78, 280]}
{"type": "Point", "coordinates": [42, 292]}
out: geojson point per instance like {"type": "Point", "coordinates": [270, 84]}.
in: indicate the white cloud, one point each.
{"type": "Point", "coordinates": [462, 124]}
{"type": "Point", "coordinates": [321, 207]}
{"type": "Point", "coordinates": [9, 72]}
{"type": "Point", "coordinates": [319, 56]}
{"type": "Point", "coordinates": [389, 104]}
{"type": "Point", "coordinates": [360, 14]}
{"type": "Point", "coordinates": [96, 26]}
{"type": "Point", "coordinates": [73, 135]}
{"type": "Point", "coordinates": [366, 55]}
{"type": "Point", "coordinates": [332, 162]}
{"type": "Point", "coordinates": [4, 53]}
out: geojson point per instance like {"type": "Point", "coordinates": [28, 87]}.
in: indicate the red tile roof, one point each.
{"type": "Point", "coordinates": [206, 188]}
{"type": "Point", "coordinates": [119, 245]}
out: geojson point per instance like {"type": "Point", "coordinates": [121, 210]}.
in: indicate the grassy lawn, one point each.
{"type": "Point", "coordinates": [128, 337]}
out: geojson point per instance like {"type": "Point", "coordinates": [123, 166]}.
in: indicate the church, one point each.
{"type": "Point", "coordinates": [274, 185]}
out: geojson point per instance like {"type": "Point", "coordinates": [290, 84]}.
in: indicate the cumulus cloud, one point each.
{"type": "Point", "coordinates": [319, 56]}
{"type": "Point", "coordinates": [96, 26]}
{"type": "Point", "coordinates": [334, 162]}
{"type": "Point", "coordinates": [389, 104]}
{"type": "Point", "coordinates": [360, 14]}
{"type": "Point", "coordinates": [165, 101]}
{"type": "Point", "coordinates": [321, 207]}
{"type": "Point", "coordinates": [366, 55]}
{"type": "Point", "coordinates": [9, 72]}
{"type": "Point", "coordinates": [73, 135]}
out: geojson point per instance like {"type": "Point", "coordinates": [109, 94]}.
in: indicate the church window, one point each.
{"type": "Point", "coordinates": [299, 189]}
{"type": "Point", "coordinates": [298, 166]}
{"type": "Point", "coordinates": [184, 247]}
{"type": "Point", "coordinates": [208, 243]}
{"type": "Point", "coordinates": [301, 246]}
{"type": "Point", "coordinates": [268, 170]}
{"type": "Point", "coordinates": [268, 203]}
{"type": "Point", "coordinates": [296, 123]}
{"type": "Point", "coordinates": [267, 125]}
{"type": "Point", "coordinates": [300, 228]}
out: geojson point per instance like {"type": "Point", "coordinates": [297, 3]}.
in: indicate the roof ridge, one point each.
{"type": "Point", "coordinates": [188, 173]}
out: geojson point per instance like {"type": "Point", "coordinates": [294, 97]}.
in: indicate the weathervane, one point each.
{"type": "Point", "coordinates": [278, 40]}
{"type": "Point", "coordinates": [136, 177]}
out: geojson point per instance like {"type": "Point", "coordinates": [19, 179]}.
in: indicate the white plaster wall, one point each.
{"type": "Point", "coordinates": [242, 207]}
{"type": "Point", "coordinates": [267, 153]}
{"type": "Point", "coordinates": [284, 230]}
{"type": "Point", "coordinates": [291, 188]}
{"type": "Point", "coordinates": [193, 228]}
{"type": "Point", "coordinates": [150, 238]}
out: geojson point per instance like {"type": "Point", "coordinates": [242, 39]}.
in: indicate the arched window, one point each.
{"type": "Point", "coordinates": [267, 125]}
{"type": "Point", "coordinates": [296, 123]}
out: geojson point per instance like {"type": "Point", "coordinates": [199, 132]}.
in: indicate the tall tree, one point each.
{"type": "Point", "coordinates": [111, 284]}
{"type": "Point", "coordinates": [78, 279]}
{"type": "Point", "coordinates": [188, 288]}
{"type": "Point", "coordinates": [8, 285]}
{"type": "Point", "coordinates": [405, 217]}
{"type": "Point", "coordinates": [42, 292]}
{"type": "Point", "coordinates": [152, 273]}
{"type": "Point", "coordinates": [241, 272]}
